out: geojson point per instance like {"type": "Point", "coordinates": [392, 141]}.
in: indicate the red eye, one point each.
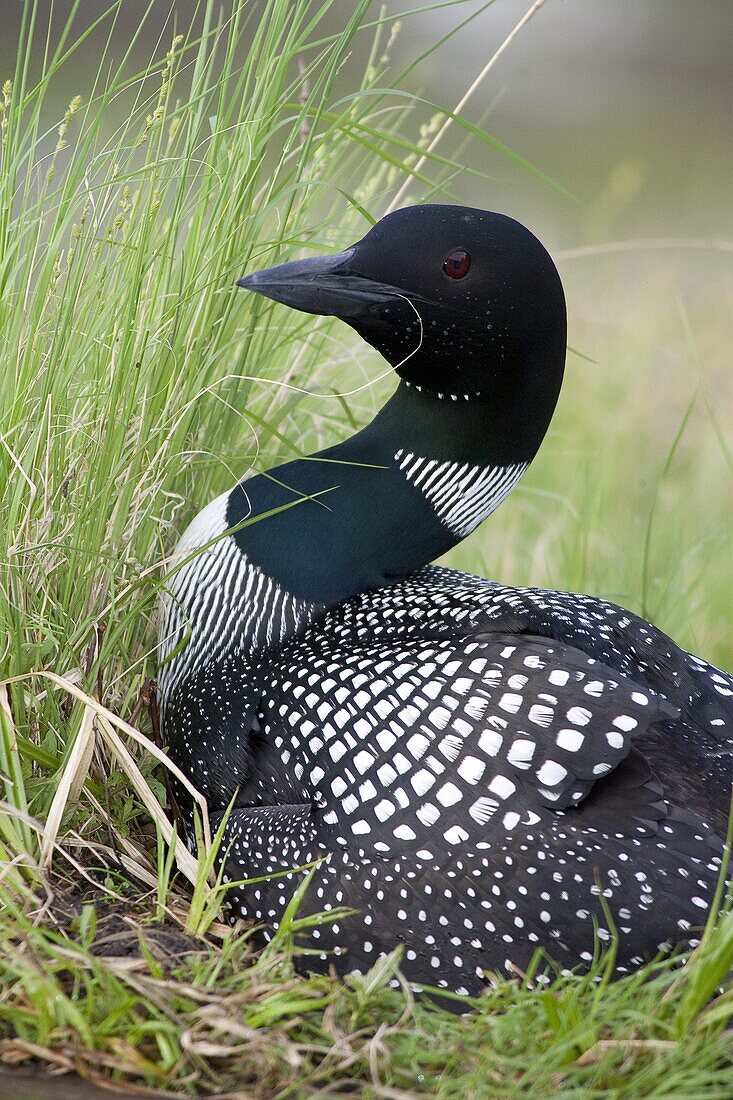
{"type": "Point", "coordinates": [457, 265]}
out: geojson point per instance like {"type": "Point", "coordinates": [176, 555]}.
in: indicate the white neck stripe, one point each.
{"type": "Point", "coordinates": [461, 495]}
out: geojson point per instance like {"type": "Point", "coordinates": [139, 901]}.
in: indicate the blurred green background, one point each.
{"type": "Point", "coordinates": [626, 103]}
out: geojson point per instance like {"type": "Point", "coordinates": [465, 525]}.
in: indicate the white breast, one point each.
{"type": "Point", "coordinates": [216, 603]}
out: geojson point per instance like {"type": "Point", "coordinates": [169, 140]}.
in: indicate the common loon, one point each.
{"type": "Point", "coordinates": [476, 771]}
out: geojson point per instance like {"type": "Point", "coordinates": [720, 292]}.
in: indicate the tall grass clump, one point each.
{"type": "Point", "coordinates": [136, 381]}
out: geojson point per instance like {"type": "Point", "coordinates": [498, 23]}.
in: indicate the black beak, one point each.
{"type": "Point", "coordinates": [327, 285]}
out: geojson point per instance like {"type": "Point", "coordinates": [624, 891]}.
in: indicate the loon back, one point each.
{"type": "Point", "coordinates": [481, 770]}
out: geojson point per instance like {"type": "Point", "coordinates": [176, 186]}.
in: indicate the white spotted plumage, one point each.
{"type": "Point", "coordinates": [433, 763]}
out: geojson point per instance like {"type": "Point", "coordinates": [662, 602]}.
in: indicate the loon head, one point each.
{"type": "Point", "coordinates": [463, 303]}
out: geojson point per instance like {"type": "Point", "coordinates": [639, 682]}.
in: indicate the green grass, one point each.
{"type": "Point", "coordinates": [138, 383]}
{"type": "Point", "coordinates": [216, 1019]}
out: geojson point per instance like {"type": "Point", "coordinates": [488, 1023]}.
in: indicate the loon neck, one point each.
{"type": "Point", "coordinates": [384, 503]}
{"type": "Point", "coordinates": [350, 519]}
{"type": "Point", "coordinates": [499, 429]}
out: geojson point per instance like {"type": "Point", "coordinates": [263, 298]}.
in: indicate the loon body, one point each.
{"type": "Point", "coordinates": [475, 770]}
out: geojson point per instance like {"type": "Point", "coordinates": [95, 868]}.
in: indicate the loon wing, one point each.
{"type": "Point", "coordinates": [611, 634]}
{"type": "Point", "coordinates": [463, 911]}
{"type": "Point", "coordinates": [448, 748]}
{"type": "Point", "coordinates": [448, 740]}
{"type": "Point", "coordinates": [693, 755]}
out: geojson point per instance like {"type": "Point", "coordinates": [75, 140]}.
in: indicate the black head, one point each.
{"type": "Point", "coordinates": [463, 303]}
